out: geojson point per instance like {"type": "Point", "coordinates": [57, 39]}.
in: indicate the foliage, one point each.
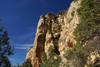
{"type": "Point", "coordinates": [64, 11]}
{"type": "Point", "coordinates": [31, 46]}
{"type": "Point", "coordinates": [89, 19]}
{"type": "Point", "coordinates": [75, 0]}
{"type": "Point", "coordinates": [55, 42]}
{"type": "Point", "coordinates": [89, 13]}
{"type": "Point", "coordinates": [16, 66]}
{"type": "Point", "coordinates": [77, 55]}
{"type": "Point", "coordinates": [43, 57]}
{"type": "Point", "coordinates": [5, 49]}
{"type": "Point", "coordinates": [56, 21]}
{"type": "Point", "coordinates": [73, 13]}
{"type": "Point", "coordinates": [27, 63]}
{"type": "Point", "coordinates": [51, 62]}
{"type": "Point", "coordinates": [51, 49]}
{"type": "Point", "coordinates": [58, 28]}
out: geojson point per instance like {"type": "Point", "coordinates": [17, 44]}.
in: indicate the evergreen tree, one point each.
{"type": "Point", "coordinates": [5, 49]}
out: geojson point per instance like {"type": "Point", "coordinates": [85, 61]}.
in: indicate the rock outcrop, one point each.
{"type": "Point", "coordinates": [29, 53]}
{"type": "Point", "coordinates": [39, 42]}
{"type": "Point", "coordinates": [56, 31]}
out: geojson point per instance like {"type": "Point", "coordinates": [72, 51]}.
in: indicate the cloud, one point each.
{"type": "Point", "coordinates": [23, 46]}
{"type": "Point", "coordinates": [12, 59]}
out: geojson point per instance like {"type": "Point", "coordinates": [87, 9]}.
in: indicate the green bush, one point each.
{"type": "Point", "coordinates": [77, 55]}
{"type": "Point", "coordinates": [51, 49]}
{"type": "Point", "coordinates": [75, 0]}
{"type": "Point", "coordinates": [27, 63]}
{"type": "Point", "coordinates": [58, 28]}
{"type": "Point", "coordinates": [62, 11]}
{"type": "Point", "coordinates": [51, 62]}
{"type": "Point", "coordinates": [73, 13]}
{"type": "Point", "coordinates": [56, 21]}
{"type": "Point", "coordinates": [43, 57]}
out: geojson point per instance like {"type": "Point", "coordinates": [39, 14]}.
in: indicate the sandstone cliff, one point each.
{"type": "Point", "coordinates": [57, 31]}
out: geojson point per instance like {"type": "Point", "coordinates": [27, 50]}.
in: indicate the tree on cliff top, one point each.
{"type": "Point", "coordinates": [5, 49]}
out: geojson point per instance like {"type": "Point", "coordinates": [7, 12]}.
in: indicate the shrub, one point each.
{"type": "Point", "coordinates": [56, 42]}
{"type": "Point", "coordinates": [73, 13]}
{"type": "Point", "coordinates": [56, 21]}
{"type": "Point", "coordinates": [75, 0]}
{"type": "Point", "coordinates": [51, 62]}
{"type": "Point", "coordinates": [51, 49]}
{"type": "Point", "coordinates": [58, 28]}
{"type": "Point", "coordinates": [43, 57]}
{"type": "Point", "coordinates": [77, 55]}
{"type": "Point", "coordinates": [27, 63]}
{"type": "Point", "coordinates": [60, 11]}
{"type": "Point", "coordinates": [64, 11]}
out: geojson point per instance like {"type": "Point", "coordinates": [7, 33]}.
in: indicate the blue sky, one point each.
{"type": "Point", "coordinates": [20, 19]}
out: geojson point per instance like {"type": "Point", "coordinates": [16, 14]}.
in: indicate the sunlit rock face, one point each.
{"type": "Point", "coordinates": [56, 31]}
{"type": "Point", "coordinates": [39, 42]}
{"type": "Point", "coordinates": [29, 53]}
{"type": "Point", "coordinates": [93, 59]}
{"type": "Point", "coordinates": [67, 39]}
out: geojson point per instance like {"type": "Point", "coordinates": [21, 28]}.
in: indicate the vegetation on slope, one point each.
{"type": "Point", "coordinates": [88, 27]}
{"type": "Point", "coordinates": [51, 61]}
{"type": "Point", "coordinates": [27, 63]}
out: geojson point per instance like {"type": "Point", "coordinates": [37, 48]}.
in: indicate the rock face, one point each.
{"type": "Point", "coordinates": [39, 42]}
{"type": "Point", "coordinates": [29, 53]}
{"type": "Point", "coordinates": [67, 39]}
{"type": "Point", "coordinates": [56, 31]}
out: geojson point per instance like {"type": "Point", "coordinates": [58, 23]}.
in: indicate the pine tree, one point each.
{"type": "Point", "coordinates": [5, 49]}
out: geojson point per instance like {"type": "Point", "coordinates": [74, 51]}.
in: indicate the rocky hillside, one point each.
{"type": "Point", "coordinates": [68, 39]}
